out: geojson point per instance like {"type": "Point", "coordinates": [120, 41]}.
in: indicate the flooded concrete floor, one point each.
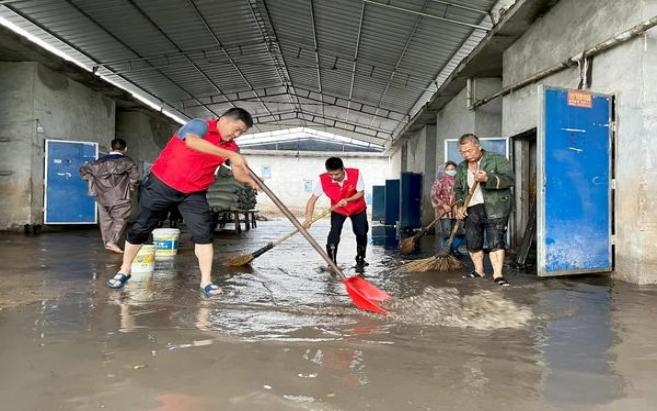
{"type": "Point", "coordinates": [284, 336]}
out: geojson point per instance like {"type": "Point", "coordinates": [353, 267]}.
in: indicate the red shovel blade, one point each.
{"type": "Point", "coordinates": [361, 301]}
{"type": "Point", "coordinates": [367, 289]}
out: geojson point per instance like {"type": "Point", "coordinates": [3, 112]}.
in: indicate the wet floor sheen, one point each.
{"type": "Point", "coordinates": [285, 336]}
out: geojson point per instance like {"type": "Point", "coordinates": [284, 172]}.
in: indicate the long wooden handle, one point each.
{"type": "Point", "coordinates": [428, 227]}
{"type": "Point", "coordinates": [317, 218]}
{"type": "Point", "coordinates": [466, 203]}
{"type": "Point", "coordinates": [296, 223]}
{"type": "Point", "coordinates": [260, 251]}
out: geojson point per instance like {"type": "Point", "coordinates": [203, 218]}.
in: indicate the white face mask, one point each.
{"type": "Point", "coordinates": [450, 173]}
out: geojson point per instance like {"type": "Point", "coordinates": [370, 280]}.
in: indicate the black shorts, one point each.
{"type": "Point", "coordinates": [155, 200]}
{"type": "Point", "coordinates": [476, 223]}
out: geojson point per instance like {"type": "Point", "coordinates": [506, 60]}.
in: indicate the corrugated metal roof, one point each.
{"type": "Point", "coordinates": [354, 67]}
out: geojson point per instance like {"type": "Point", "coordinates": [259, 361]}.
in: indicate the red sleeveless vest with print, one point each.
{"type": "Point", "coordinates": [187, 170]}
{"type": "Point", "coordinates": [336, 192]}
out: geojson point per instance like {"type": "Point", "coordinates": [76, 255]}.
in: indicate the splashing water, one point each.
{"type": "Point", "coordinates": [485, 310]}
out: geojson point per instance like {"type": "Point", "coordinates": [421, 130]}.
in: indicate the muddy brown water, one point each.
{"type": "Point", "coordinates": [284, 335]}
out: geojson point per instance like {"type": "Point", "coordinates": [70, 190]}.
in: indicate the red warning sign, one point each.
{"type": "Point", "coordinates": [578, 98]}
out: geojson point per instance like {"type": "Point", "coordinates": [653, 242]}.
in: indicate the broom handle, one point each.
{"type": "Point", "coordinates": [431, 224]}
{"type": "Point", "coordinates": [296, 223]}
{"type": "Point", "coordinates": [317, 218]}
{"type": "Point", "coordinates": [466, 202]}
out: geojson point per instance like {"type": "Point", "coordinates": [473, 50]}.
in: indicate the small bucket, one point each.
{"type": "Point", "coordinates": [144, 262]}
{"type": "Point", "coordinates": [166, 242]}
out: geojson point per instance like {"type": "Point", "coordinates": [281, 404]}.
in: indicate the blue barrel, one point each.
{"type": "Point", "coordinates": [410, 208]}
{"type": "Point", "coordinates": [391, 198]}
{"type": "Point", "coordinates": [378, 203]}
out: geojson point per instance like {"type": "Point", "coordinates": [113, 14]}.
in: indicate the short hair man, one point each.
{"type": "Point", "coordinates": [345, 188]}
{"type": "Point", "coordinates": [181, 176]}
{"type": "Point", "coordinates": [111, 180]}
{"type": "Point", "coordinates": [489, 207]}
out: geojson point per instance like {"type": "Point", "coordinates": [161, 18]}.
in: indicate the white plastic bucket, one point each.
{"type": "Point", "coordinates": [166, 242]}
{"type": "Point", "coordinates": [144, 262]}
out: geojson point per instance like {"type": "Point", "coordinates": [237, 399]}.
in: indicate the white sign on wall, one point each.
{"type": "Point", "coordinates": [307, 185]}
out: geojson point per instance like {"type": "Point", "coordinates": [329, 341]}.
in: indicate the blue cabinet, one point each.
{"type": "Point", "coordinates": [378, 203]}
{"type": "Point", "coordinates": [410, 201]}
{"type": "Point", "coordinates": [391, 211]}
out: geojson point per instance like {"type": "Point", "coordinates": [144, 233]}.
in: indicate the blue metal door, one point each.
{"type": "Point", "coordinates": [391, 198]}
{"type": "Point", "coordinates": [378, 203]}
{"type": "Point", "coordinates": [66, 200]}
{"type": "Point", "coordinates": [574, 166]}
{"type": "Point", "coordinates": [410, 205]}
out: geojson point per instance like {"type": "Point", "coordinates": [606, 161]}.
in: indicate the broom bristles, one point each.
{"type": "Point", "coordinates": [441, 263]}
{"type": "Point", "coordinates": [239, 260]}
{"type": "Point", "coordinates": [407, 246]}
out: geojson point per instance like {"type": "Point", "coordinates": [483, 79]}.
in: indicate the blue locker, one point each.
{"type": "Point", "coordinates": [384, 235]}
{"type": "Point", "coordinates": [411, 200]}
{"type": "Point", "coordinates": [66, 198]}
{"type": "Point", "coordinates": [391, 211]}
{"type": "Point", "coordinates": [378, 203]}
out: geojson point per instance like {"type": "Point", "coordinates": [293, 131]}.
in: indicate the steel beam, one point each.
{"type": "Point", "coordinates": [307, 94]}
{"type": "Point", "coordinates": [273, 92]}
{"type": "Point", "coordinates": [319, 73]}
{"type": "Point", "coordinates": [173, 43]}
{"type": "Point", "coordinates": [133, 51]}
{"type": "Point", "coordinates": [401, 57]}
{"type": "Point", "coordinates": [355, 62]}
{"type": "Point", "coordinates": [273, 46]}
{"type": "Point", "coordinates": [216, 39]}
{"type": "Point", "coordinates": [430, 16]}
{"type": "Point", "coordinates": [96, 61]}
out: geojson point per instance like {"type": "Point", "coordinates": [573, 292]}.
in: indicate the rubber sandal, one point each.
{"type": "Point", "coordinates": [118, 281]}
{"type": "Point", "coordinates": [472, 274]}
{"type": "Point", "coordinates": [211, 290]}
{"type": "Point", "coordinates": [501, 281]}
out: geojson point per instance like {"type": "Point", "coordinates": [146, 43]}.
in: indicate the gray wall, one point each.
{"type": "Point", "coordinates": [17, 122]}
{"type": "Point", "coordinates": [421, 158]}
{"type": "Point", "coordinates": [33, 95]}
{"type": "Point", "coordinates": [289, 170]}
{"type": "Point", "coordinates": [628, 71]}
{"type": "Point", "coordinates": [146, 133]}
{"type": "Point", "coordinates": [66, 110]}
{"type": "Point", "coordinates": [455, 119]}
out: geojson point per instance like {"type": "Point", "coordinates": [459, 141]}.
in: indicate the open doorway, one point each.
{"type": "Point", "coordinates": [523, 220]}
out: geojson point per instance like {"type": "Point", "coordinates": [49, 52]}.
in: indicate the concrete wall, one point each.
{"type": "Point", "coordinates": [18, 145]}
{"type": "Point", "coordinates": [628, 71]}
{"type": "Point", "coordinates": [421, 158]}
{"type": "Point", "coordinates": [36, 104]}
{"type": "Point", "coordinates": [394, 164]}
{"type": "Point", "coordinates": [67, 110]}
{"type": "Point", "coordinates": [455, 119]}
{"type": "Point", "coordinates": [33, 96]}
{"type": "Point", "coordinates": [146, 133]}
{"type": "Point", "coordinates": [290, 172]}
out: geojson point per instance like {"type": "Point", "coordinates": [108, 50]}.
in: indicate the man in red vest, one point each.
{"type": "Point", "coordinates": [346, 189]}
{"type": "Point", "coordinates": [180, 177]}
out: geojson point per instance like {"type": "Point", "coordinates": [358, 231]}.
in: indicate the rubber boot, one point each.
{"type": "Point", "coordinates": [332, 251]}
{"type": "Point", "coordinates": [360, 256]}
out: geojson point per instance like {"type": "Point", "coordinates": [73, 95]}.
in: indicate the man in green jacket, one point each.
{"type": "Point", "coordinates": [489, 207]}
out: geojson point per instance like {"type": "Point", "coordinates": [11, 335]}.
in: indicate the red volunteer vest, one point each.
{"type": "Point", "coordinates": [335, 192]}
{"type": "Point", "coordinates": [187, 170]}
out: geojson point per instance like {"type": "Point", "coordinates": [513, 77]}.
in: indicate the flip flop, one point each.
{"type": "Point", "coordinates": [501, 281]}
{"type": "Point", "coordinates": [211, 290]}
{"type": "Point", "coordinates": [472, 274]}
{"type": "Point", "coordinates": [118, 281]}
